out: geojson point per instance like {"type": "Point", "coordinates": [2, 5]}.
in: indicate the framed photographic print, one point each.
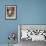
{"type": "Point", "coordinates": [10, 12]}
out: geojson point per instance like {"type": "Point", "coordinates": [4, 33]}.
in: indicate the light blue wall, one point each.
{"type": "Point", "coordinates": [33, 12]}
{"type": "Point", "coordinates": [28, 12]}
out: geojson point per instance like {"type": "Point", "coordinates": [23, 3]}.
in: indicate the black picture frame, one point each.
{"type": "Point", "coordinates": [14, 17]}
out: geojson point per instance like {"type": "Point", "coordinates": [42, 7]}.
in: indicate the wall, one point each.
{"type": "Point", "coordinates": [28, 12]}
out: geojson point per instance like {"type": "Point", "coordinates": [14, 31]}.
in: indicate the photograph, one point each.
{"type": "Point", "coordinates": [10, 12]}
